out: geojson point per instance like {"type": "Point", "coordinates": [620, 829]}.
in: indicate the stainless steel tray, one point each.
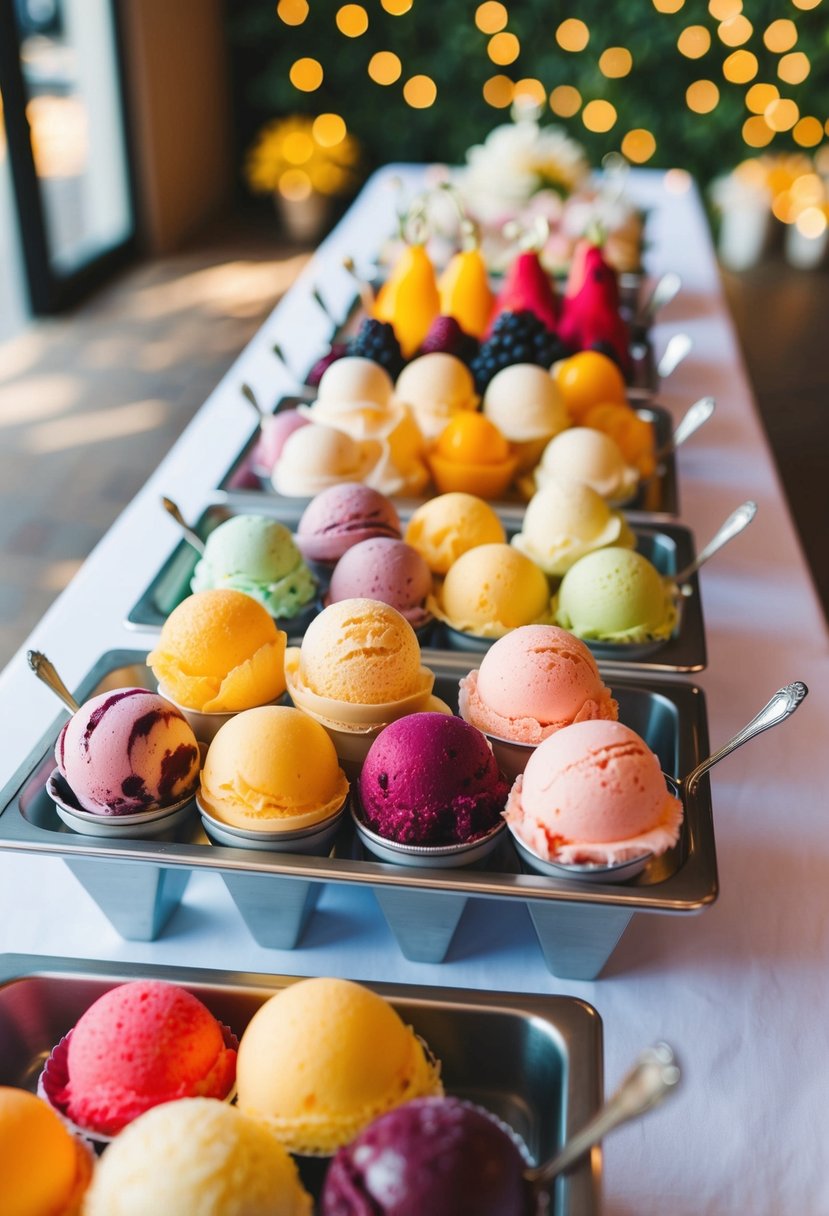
{"type": "Point", "coordinates": [669, 546]}
{"type": "Point", "coordinates": [535, 1062]}
{"type": "Point", "coordinates": [139, 883]}
{"type": "Point", "coordinates": [658, 496]}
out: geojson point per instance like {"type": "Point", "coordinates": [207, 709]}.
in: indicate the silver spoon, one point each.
{"type": "Point", "coordinates": [679, 346]}
{"type": "Point", "coordinates": [781, 706]}
{"type": "Point", "coordinates": [654, 1075]}
{"type": "Point", "coordinates": [190, 536]}
{"type": "Point", "coordinates": [736, 523]}
{"type": "Point", "coordinates": [249, 396]}
{"type": "Point", "coordinates": [666, 289]}
{"type": "Point", "coordinates": [316, 296]}
{"type": "Point", "coordinates": [692, 420]}
{"type": "Point", "coordinates": [45, 671]}
{"type": "Point", "coordinates": [364, 288]}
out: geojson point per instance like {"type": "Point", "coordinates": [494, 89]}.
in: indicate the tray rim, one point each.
{"type": "Point", "coordinates": [690, 888]}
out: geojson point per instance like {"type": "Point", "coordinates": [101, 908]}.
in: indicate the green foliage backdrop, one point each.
{"type": "Point", "coordinates": [439, 38]}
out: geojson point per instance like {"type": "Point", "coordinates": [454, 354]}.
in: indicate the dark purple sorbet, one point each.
{"type": "Point", "coordinates": [175, 766]}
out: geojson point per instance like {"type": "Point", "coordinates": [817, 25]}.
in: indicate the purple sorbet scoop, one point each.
{"type": "Point", "coordinates": [387, 570]}
{"type": "Point", "coordinates": [430, 779]}
{"type": "Point", "coordinates": [342, 516]}
{"type": "Point", "coordinates": [430, 1157]}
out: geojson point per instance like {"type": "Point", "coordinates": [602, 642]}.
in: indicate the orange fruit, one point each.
{"type": "Point", "coordinates": [470, 438]}
{"type": "Point", "coordinates": [587, 379]}
{"type": "Point", "coordinates": [633, 434]}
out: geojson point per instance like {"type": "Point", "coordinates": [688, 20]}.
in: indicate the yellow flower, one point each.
{"type": "Point", "coordinates": [285, 143]}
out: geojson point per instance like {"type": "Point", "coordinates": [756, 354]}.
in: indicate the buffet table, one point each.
{"type": "Point", "coordinates": [739, 990]}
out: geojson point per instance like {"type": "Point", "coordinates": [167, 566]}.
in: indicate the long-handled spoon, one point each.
{"type": "Point", "coordinates": [45, 671]}
{"type": "Point", "coordinates": [692, 420]}
{"type": "Point", "coordinates": [364, 288]}
{"type": "Point", "coordinates": [316, 296]}
{"type": "Point", "coordinates": [679, 346]}
{"type": "Point", "coordinates": [666, 289]}
{"type": "Point", "coordinates": [190, 535]}
{"type": "Point", "coordinates": [654, 1075]}
{"type": "Point", "coordinates": [736, 523]}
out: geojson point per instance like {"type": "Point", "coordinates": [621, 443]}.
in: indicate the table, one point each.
{"type": "Point", "coordinates": [740, 990]}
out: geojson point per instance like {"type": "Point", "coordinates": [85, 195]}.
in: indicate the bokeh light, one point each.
{"type": "Point", "coordinates": [781, 35]}
{"type": "Point", "coordinates": [420, 92]}
{"type": "Point", "coordinates": [807, 190]}
{"type": "Point", "coordinates": [295, 184]}
{"type": "Point", "coordinates": [702, 96]}
{"type": "Point", "coordinates": [491, 17]}
{"type": "Point", "coordinates": [678, 181]}
{"type": "Point", "coordinates": [808, 132]}
{"type": "Point", "coordinates": [530, 89]}
{"type": "Point", "coordinates": [756, 132]}
{"type": "Point", "coordinates": [292, 12]}
{"type": "Point", "coordinates": [735, 31]}
{"type": "Point", "coordinates": [352, 20]}
{"type": "Point", "coordinates": [565, 101]}
{"type": "Point", "coordinates": [782, 114]}
{"type": "Point", "coordinates": [794, 68]}
{"type": "Point", "coordinates": [806, 4]}
{"type": "Point", "coordinates": [385, 67]}
{"type": "Point", "coordinates": [615, 62]}
{"type": "Point", "coordinates": [761, 95]}
{"type": "Point", "coordinates": [397, 7]}
{"type": "Point", "coordinates": [498, 92]}
{"type": "Point", "coordinates": [721, 10]}
{"type": "Point", "coordinates": [639, 145]}
{"type": "Point", "coordinates": [306, 75]}
{"type": "Point", "coordinates": [740, 67]}
{"type": "Point", "coordinates": [298, 147]}
{"type": "Point", "coordinates": [783, 208]}
{"type": "Point", "coordinates": [668, 6]}
{"type": "Point", "coordinates": [329, 130]}
{"type": "Point", "coordinates": [694, 41]}
{"type": "Point", "coordinates": [811, 222]}
{"type": "Point", "coordinates": [599, 115]}
{"type": "Point", "coordinates": [572, 35]}
{"type": "Point", "coordinates": [503, 48]}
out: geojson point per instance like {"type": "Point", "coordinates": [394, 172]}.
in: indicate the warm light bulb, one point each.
{"type": "Point", "coordinates": [306, 75]}
{"type": "Point", "coordinates": [530, 89]}
{"type": "Point", "coordinates": [328, 130]}
{"type": "Point", "coordinates": [740, 67]}
{"type": "Point", "coordinates": [294, 184]}
{"type": "Point", "coordinates": [292, 12]}
{"type": "Point", "coordinates": [491, 17]}
{"type": "Point", "coordinates": [721, 10]}
{"type": "Point", "coordinates": [420, 92]}
{"type": "Point", "coordinates": [761, 95]}
{"type": "Point", "coordinates": [572, 35]}
{"type": "Point", "coordinates": [615, 62]}
{"type": "Point", "coordinates": [794, 68]}
{"type": "Point", "coordinates": [806, 4]}
{"type": "Point", "coordinates": [668, 6]}
{"type": "Point", "coordinates": [396, 7]}
{"type": "Point", "coordinates": [638, 145]}
{"type": "Point", "coordinates": [808, 132]}
{"type": "Point", "coordinates": [781, 35]}
{"type": "Point", "coordinates": [384, 67]}
{"type": "Point", "coordinates": [782, 114]}
{"type": "Point", "coordinates": [565, 101]}
{"type": "Point", "coordinates": [352, 20]}
{"type": "Point", "coordinates": [735, 31]}
{"type": "Point", "coordinates": [702, 96]}
{"type": "Point", "coordinates": [503, 48]}
{"type": "Point", "coordinates": [598, 115]}
{"type": "Point", "coordinates": [811, 222]}
{"type": "Point", "coordinates": [498, 92]}
{"type": "Point", "coordinates": [756, 132]}
{"type": "Point", "coordinates": [694, 41]}
{"type": "Point", "coordinates": [297, 147]}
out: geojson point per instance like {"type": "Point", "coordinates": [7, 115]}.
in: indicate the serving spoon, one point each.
{"type": "Point", "coordinates": [666, 289]}
{"type": "Point", "coordinates": [192, 537]}
{"type": "Point", "coordinates": [678, 348]}
{"type": "Point", "coordinates": [736, 523]}
{"type": "Point", "coordinates": [688, 425]}
{"type": "Point", "coordinates": [46, 672]}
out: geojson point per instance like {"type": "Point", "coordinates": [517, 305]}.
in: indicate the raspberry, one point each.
{"type": "Point", "coordinates": [446, 336]}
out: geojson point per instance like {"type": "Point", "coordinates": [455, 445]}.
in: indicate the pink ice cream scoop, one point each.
{"type": "Point", "coordinates": [127, 751]}
{"type": "Point", "coordinates": [593, 793]}
{"type": "Point", "coordinates": [431, 779]}
{"type": "Point", "coordinates": [274, 430]}
{"type": "Point", "coordinates": [141, 1044]}
{"type": "Point", "coordinates": [342, 516]}
{"type": "Point", "coordinates": [532, 682]}
{"type": "Point", "coordinates": [387, 570]}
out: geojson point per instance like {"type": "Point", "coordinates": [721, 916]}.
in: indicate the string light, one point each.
{"type": "Point", "coordinates": [352, 20]}
{"type": "Point", "coordinates": [794, 68]}
{"type": "Point", "coordinates": [420, 92]}
{"type": "Point", "coordinates": [328, 130]}
{"type": "Point", "coordinates": [385, 67]}
{"type": "Point", "coordinates": [491, 17]}
{"type": "Point", "coordinates": [298, 147]}
{"type": "Point", "coordinates": [615, 62]}
{"type": "Point", "coordinates": [761, 95]}
{"type": "Point", "coordinates": [781, 35]}
{"type": "Point", "coordinates": [530, 89]}
{"type": "Point", "coordinates": [811, 222]}
{"type": "Point", "coordinates": [694, 41]}
{"type": "Point", "coordinates": [639, 145]}
{"type": "Point", "coordinates": [735, 31]}
{"type": "Point", "coordinates": [740, 67]}
{"type": "Point", "coordinates": [292, 12]}
{"type": "Point", "coordinates": [599, 115]}
{"type": "Point", "coordinates": [782, 207]}
{"type": "Point", "coordinates": [721, 10]}
{"type": "Point", "coordinates": [782, 114]}
{"type": "Point", "coordinates": [396, 7]}
{"type": "Point", "coordinates": [306, 75]}
{"type": "Point", "coordinates": [702, 96]}
{"type": "Point", "coordinates": [565, 101]}
{"type": "Point", "coordinates": [807, 190]}
{"type": "Point", "coordinates": [668, 6]}
{"type": "Point", "coordinates": [806, 4]}
{"type": "Point", "coordinates": [295, 184]}
{"type": "Point", "coordinates": [498, 92]}
{"type": "Point", "coordinates": [808, 132]}
{"type": "Point", "coordinates": [572, 35]}
{"type": "Point", "coordinates": [756, 132]}
{"type": "Point", "coordinates": [503, 48]}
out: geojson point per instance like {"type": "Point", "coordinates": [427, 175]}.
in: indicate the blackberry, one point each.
{"type": "Point", "coordinates": [516, 337]}
{"type": "Point", "coordinates": [376, 340]}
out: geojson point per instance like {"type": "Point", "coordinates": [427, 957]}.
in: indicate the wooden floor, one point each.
{"type": "Point", "coordinates": [91, 402]}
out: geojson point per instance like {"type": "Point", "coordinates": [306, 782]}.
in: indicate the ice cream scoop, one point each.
{"type": "Point", "coordinates": [257, 555]}
{"type": "Point", "coordinates": [342, 516]}
{"type": "Point", "coordinates": [272, 769]}
{"type": "Point", "coordinates": [318, 456]}
{"type": "Point", "coordinates": [564, 520]}
{"type": "Point", "coordinates": [197, 1156]}
{"type": "Point", "coordinates": [586, 379]}
{"type": "Point", "coordinates": [220, 651]}
{"type": "Point", "coordinates": [584, 454]}
{"type": "Point", "coordinates": [525, 404]}
{"type": "Point", "coordinates": [593, 793]}
{"type": "Point", "coordinates": [139, 1045]}
{"type": "Point", "coordinates": [471, 455]}
{"type": "Point", "coordinates": [387, 570]}
{"type": "Point", "coordinates": [531, 683]}
{"type": "Point", "coordinates": [633, 434]}
{"type": "Point", "coordinates": [440, 1156]}
{"type": "Point", "coordinates": [43, 1168]}
{"type": "Point", "coordinates": [355, 380]}
{"type": "Point", "coordinates": [127, 751]}
{"type": "Point", "coordinates": [324, 1057]}
{"type": "Point", "coordinates": [436, 387]}
{"type": "Point", "coordinates": [616, 595]}
{"type": "Point", "coordinates": [447, 526]}
{"type": "Point", "coordinates": [490, 590]}
{"type": "Point", "coordinates": [274, 432]}
{"type": "Point", "coordinates": [429, 779]}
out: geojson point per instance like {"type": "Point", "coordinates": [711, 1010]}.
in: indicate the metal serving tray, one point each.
{"type": "Point", "coordinates": [657, 496]}
{"type": "Point", "coordinates": [139, 883]}
{"type": "Point", "coordinates": [669, 546]}
{"type": "Point", "coordinates": [535, 1062]}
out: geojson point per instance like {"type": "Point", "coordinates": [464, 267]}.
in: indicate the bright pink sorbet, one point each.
{"type": "Point", "coordinates": [342, 516]}
{"type": "Point", "coordinates": [387, 570]}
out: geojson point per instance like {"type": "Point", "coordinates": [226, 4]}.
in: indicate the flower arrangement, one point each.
{"type": "Point", "coordinates": [300, 156]}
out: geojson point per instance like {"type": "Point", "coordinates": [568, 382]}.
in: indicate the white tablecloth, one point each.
{"type": "Point", "coordinates": [742, 990]}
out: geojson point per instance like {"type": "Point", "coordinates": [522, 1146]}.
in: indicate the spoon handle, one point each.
{"type": "Point", "coordinates": [366, 294]}
{"type": "Point", "coordinates": [654, 1075]}
{"type": "Point", "coordinates": [676, 350]}
{"type": "Point", "coordinates": [190, 536]}
{"type": "Point", "coordinates": [781, 706]}
{"type": "Point", "coordinates": [666, 288]}
{"type": "Point", "coordinates": [692, 420]}
{"type": "Point", "coordinates": [736, 523]}
{"type": "Point", "coordinates": [250, 396]}
{"type": "Point", "coordinates": [45, 671]}
{"type": "Point", "coordinates": [316, 296]}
